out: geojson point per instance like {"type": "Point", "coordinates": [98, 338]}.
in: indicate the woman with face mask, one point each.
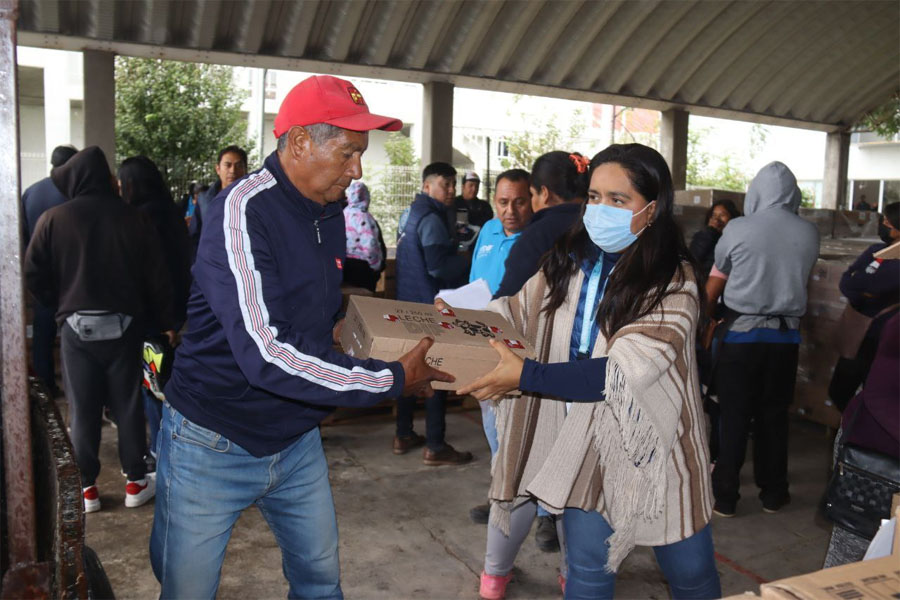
{"type": "Point", "coordinates": [609, 430]}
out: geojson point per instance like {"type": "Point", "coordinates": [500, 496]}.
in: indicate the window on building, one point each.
{"type": "Point", "coordinates": [502, 149]}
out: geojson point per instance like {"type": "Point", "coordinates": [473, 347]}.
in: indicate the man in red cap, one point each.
{"type": "Point", "coordinates": [256, 372]}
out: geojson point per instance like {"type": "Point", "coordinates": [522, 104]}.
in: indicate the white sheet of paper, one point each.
{"type": "Point", "coordinates": [883, 540]}
{"type": "Point", "coordinates": [474, 296]}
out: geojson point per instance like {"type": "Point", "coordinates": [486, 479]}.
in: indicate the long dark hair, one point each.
{"type": "Point", "coordinates": [558, 172]}
{"type": "Point", "coordinates": [725, 203]}
{"type": "Point", "coordinates": [142, 182]}
{"type": "Point", "coordinates": [646, 268]}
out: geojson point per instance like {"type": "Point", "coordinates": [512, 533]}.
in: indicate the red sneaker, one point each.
{"type": "Point", "coordinates": [139, 492]}
{"type": "Point", "coordinates": [493, 587]}
{"type": "Point", "coordinates": [91, 499]}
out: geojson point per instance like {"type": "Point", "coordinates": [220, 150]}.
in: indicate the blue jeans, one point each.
{"type": "Point", "coordinates": [489, 424]}
{"type": "Point", "coordinates": [689, 565]}
{"type": "Point", "coordinates": [435, 418]}
{"type": "Point", "coordinates": [204, 481]}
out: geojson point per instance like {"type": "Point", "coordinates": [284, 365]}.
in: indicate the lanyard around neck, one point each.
{"type": "Point", "coordinates": [592, 304]}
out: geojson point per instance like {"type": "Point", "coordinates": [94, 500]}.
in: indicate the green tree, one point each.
{"type": "Point", "coordinates": [525, 147]}
{"type": "Point", "coordinates": [703, 171]}
{"type": "Point", "coordinates": [884, 120]}
{"type": "Point", "coordinates": [400, 150]}
{"type": "Point", "coordinates": [178, 114]}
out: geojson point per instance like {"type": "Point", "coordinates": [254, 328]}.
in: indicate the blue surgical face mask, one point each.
{"type": "Point", "coordinates": [610, 227]}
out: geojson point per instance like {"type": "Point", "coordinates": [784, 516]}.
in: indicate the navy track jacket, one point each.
{"type": "Point", "coordinates": [257, 364]}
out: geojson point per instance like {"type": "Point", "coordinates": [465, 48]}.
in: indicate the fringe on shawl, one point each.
{"type": "Point", "coordinates": [632, 463]}
{"type": "Point", "coordinates": [500, 511]}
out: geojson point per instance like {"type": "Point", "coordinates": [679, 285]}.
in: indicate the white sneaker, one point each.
{"type": "Point", "coordinates": [91, 499]}
{"type": "Point", "coordinates": [138, 493]}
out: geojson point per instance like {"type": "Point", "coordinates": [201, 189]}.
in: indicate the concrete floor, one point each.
{"type": "Point", "coordinates": [405, 532]}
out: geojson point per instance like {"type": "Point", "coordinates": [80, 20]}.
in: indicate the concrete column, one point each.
{"type": "Point", "coordinates": [100, 102]}
{"type": "Point", "coordinates": [437, 123]}
{"type": "Point", "coordinates": [837, 155]}
{"type": "Point", "coordinates": [673, 141]}
{"type": "Point", "coordinates": [57, 106]}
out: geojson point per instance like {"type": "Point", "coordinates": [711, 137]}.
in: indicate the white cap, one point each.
{"type": "Point", "coordinates": [471, 176]}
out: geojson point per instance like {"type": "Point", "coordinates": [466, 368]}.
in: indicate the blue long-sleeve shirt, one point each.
{"type": "Point", "coordinates": [581, 379]}
{"type": "Point", "coordinates": [257, 364]}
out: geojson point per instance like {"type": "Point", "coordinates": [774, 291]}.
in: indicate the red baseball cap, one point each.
{"type": "Point", "coordinates": [327, 99]}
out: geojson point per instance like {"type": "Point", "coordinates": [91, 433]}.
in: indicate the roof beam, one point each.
{"type": "Point", "coordinates": [705, 44]}
{"type": "Point", "coordinates": [810, 66]}
{"type": "Point", "coordinates": [509, 29]}
{"type": "Point", "coordinates": [555, 18]}
{"type": "Point", "coordinates": [341, 27]}
{"type": "Point", "coordinates": [635, 44]}
{"type": "Point", "coordinates": [773, 60]}
{"type": "Point", "coordinates": [62, 42]}
{"type": "Point", "coordinates": [387, 21]}
{"type": "Point", "coordinates": [471, 27]}
{"type": "Point", "coordinates": [253, 25]}
{"type": "Point", "coordinates": [575, 41]}
{"type": "Point", "coordinates": [684, 34]}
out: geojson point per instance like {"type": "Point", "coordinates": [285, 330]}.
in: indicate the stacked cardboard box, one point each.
{"type": "Point", "coordinates": [691, 219]}
{"type": "Point", "coordinates": [705, 198]}
{"type": "Point", "coordinates": [856, 223]}
{"type": "Point", "coordinates": [822, 218]}
{"type": "Point", "coordinates": [818, 354]}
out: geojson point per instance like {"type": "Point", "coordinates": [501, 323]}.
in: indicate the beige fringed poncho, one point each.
{"type": "Point", "coordinates": [640, 457]}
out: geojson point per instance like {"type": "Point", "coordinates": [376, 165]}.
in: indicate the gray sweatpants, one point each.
{"type": "Point", "coordinates": [98, 374]}
{"type": "Point", "coordinates": [502, 550]}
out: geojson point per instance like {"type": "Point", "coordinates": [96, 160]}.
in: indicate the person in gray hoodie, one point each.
{"type": "Point", "coordinates": [762, 265]}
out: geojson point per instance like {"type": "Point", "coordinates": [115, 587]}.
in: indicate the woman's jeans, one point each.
{"type": "Point", "coordinates": [204, 481]}
{"type": "Point", "coordinates": [689, 565]}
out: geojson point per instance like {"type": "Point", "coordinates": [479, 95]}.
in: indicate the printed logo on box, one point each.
{"type": "Point", "coordinates": [448, 312]}
{"type": "Point", "coordinates": [391, 318]}
{"type": "Point", "coordinates": [496, 330]}
{"type": "Point", "coordinates": [446, 325]}
{"type": "Point", "coordinates": [514, 344]}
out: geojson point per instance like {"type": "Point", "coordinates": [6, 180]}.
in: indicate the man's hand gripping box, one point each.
{"type": "Point", "coordinates": [388, 329]}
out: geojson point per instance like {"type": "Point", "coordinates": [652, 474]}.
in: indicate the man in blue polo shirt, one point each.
{"type": "Point", "coordinates": [512, 201]}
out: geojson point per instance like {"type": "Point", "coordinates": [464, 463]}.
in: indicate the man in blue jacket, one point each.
{"type": "Point", "coordinates": [37, 199]}
{"type": "Point", "coordinates": [427, 262]}
{"type": "Point", "coordinates": [256, 371]}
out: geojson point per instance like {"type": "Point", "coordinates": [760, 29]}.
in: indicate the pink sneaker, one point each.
{"type": "Point", "coordinates": [562, 583]}
{"type": "Point", "coordinates": [493, 587]}
{"type": "Point", "coordinates": [91, 499]}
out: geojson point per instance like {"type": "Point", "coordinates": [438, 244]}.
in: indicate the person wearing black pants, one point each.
{"type": "Point", "coordinates": [98, 374]}
{"type": "Point", "coordinates": [761, 270]}
{"type": "Point", "coordinates": [756, 383]}
{"type": "Point", "coordinates": [435, 426]}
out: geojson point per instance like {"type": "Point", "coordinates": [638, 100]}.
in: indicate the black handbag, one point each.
{"type": "Point", "coordinates": [859, 492]}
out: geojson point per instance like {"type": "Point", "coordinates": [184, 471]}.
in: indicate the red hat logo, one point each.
{"type": "Point", "coordinates": [515, 344]}
{"type": "Point", "coordinates": [448, 312]}
{"type": "Point", "coordinates": [356, 96]}
{"type": "Point", "coordinates": [446, 325]}
{"type": "Point", "coordinates": [391, 318]}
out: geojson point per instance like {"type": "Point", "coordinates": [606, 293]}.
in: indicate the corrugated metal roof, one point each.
{"type": "Point", "coordinates": [819, 63]}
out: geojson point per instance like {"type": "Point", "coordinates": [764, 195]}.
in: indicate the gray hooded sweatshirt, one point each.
{"type": "Point", "coordinates": [769, 253]}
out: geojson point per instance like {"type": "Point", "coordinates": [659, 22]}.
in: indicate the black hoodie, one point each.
{"type": "Point", "coordinates": [95, 252]}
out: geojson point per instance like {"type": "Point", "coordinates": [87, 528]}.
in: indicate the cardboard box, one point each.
{"type": "Point", "coordinates": [706, 197]}
{"type": "Point", "coordinates": [876, 579]}
{"type": "Point", "coordinates": [822, 218]}
{"type": "Point", "coordinates": [691, 219]}
{"type": "Point", "coordinates": [889, 253]}
{"type": "Point", "coordinates": [387, 329]}
{"type": "Point", "coordinates": [856, 223]}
